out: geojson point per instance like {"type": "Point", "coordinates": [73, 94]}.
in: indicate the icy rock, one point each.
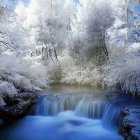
{"type": "Point", "coordinates": [16, 106]}
{"type": "Point", "coordinates": [130, 123]}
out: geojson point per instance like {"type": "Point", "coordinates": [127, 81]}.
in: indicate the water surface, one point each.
{"type": "Point", "coordinates": [69, 113]}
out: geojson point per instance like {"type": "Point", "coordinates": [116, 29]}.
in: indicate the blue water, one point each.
{"type": "Point", "coordinates": [65, 126]}
{"type": "Point", "coordinates": [69, 114]}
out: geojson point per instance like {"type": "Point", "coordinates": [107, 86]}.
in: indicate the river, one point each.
{"type": "Point", "coordinates": [71, 113]}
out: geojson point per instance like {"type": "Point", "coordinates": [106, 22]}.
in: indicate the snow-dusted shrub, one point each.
{"type": "Point", "coordinates": [81, 76]}
{"type": "Point", "coordinates": [35, 71]}
{"type": "Point", "coordinates": [20, 74]}
{"type": "Point", "coordinates": [74, 74]}
{"type": "Point", "coordinates": [54, 74]}
{"type": "Point", "coordinates": [55, 70]}
{"type": "Point", "coordinates": [24, 73]}
{"type": "Point", "coordinates": [20, 82]}
{"type": "Point", "coordinates": [124, 71]}
{"type": "Point", "coordinates": [7, 88]}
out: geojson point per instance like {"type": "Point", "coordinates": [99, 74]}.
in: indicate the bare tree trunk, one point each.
{"type": "Point", "coordinates": [103, 40]}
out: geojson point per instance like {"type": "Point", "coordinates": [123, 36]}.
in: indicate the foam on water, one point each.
{"type": "Point", "coordinates": [83, 105]}
{"type": "Point", "coordinates": [64, 126]}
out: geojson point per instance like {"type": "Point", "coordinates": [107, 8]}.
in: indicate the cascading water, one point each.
{"type": "Point", "coordinates": [111, 115]}
{"type": "Point", "coordinates": [61, 115]}
{"type": "Point", "coordinates": [83, 105]}
{"type": "Point", "coordinates": [53, 104]}
{"type": "Point", "coordinates": [90, 108]}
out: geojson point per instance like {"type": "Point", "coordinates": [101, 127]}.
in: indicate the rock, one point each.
{"type": "Point", "coordinates": [130, 124]}
{"type": "Point", "coordinates": [26, 96]}
{"type": "Point", "coordinates": [16, 106]}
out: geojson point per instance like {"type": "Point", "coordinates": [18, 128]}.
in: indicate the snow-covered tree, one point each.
{"type": "Point", "coordinates": [4, 20]}
{"type": "Point", "coordinates": [93, 19]}
{"type": "Point", "coordinates": [10, 38]}
{"type": "Point", "coordinates": [48, 24]}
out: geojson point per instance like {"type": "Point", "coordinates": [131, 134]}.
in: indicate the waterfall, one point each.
{"type": "Point", "coordinates": [82, 104]}
{"type": "Point", "coordinates": [53, 104]}
{"type": "Point", "coordinates": [90, 108]}
{"type": "Point", "coordinates": [99, 109]}
{"type": "Point", "coordinates": [111, 115]}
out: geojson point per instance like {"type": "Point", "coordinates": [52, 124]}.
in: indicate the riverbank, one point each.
{"type": "Point", "coordinates": [16, 106]}
{"type": "Point", "coordinates": [129, 123]}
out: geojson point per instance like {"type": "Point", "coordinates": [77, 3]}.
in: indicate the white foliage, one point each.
{"type": "Point", "coordinates": [23, 73]}
{"type": "Point", "coordinates": [75, 75]}
{"type": "Point", "coordinates": [20, 82]}
{"type": "Point", "coordinates": [124, 70]}
{"type": "Point", "coordinates": [7, 88]}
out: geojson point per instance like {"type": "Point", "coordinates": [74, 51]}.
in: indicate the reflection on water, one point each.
{"type": "Point", "coordinates": [67, 113]}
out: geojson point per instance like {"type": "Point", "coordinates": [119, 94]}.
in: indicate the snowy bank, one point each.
{"type": "Point", "coordinates": [21, 75]}
{"type": "Point", "coordinates": [130, 120]}
{"type": "Point", "coordinates": [73, 74]}
{"type": "Point", "coordinates": [124, 71]}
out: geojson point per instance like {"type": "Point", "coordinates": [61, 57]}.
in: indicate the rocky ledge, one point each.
{"type": "Point", "coordinates": [130, 123]}
{"type": "Point", "coordinates": [16, 106]}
